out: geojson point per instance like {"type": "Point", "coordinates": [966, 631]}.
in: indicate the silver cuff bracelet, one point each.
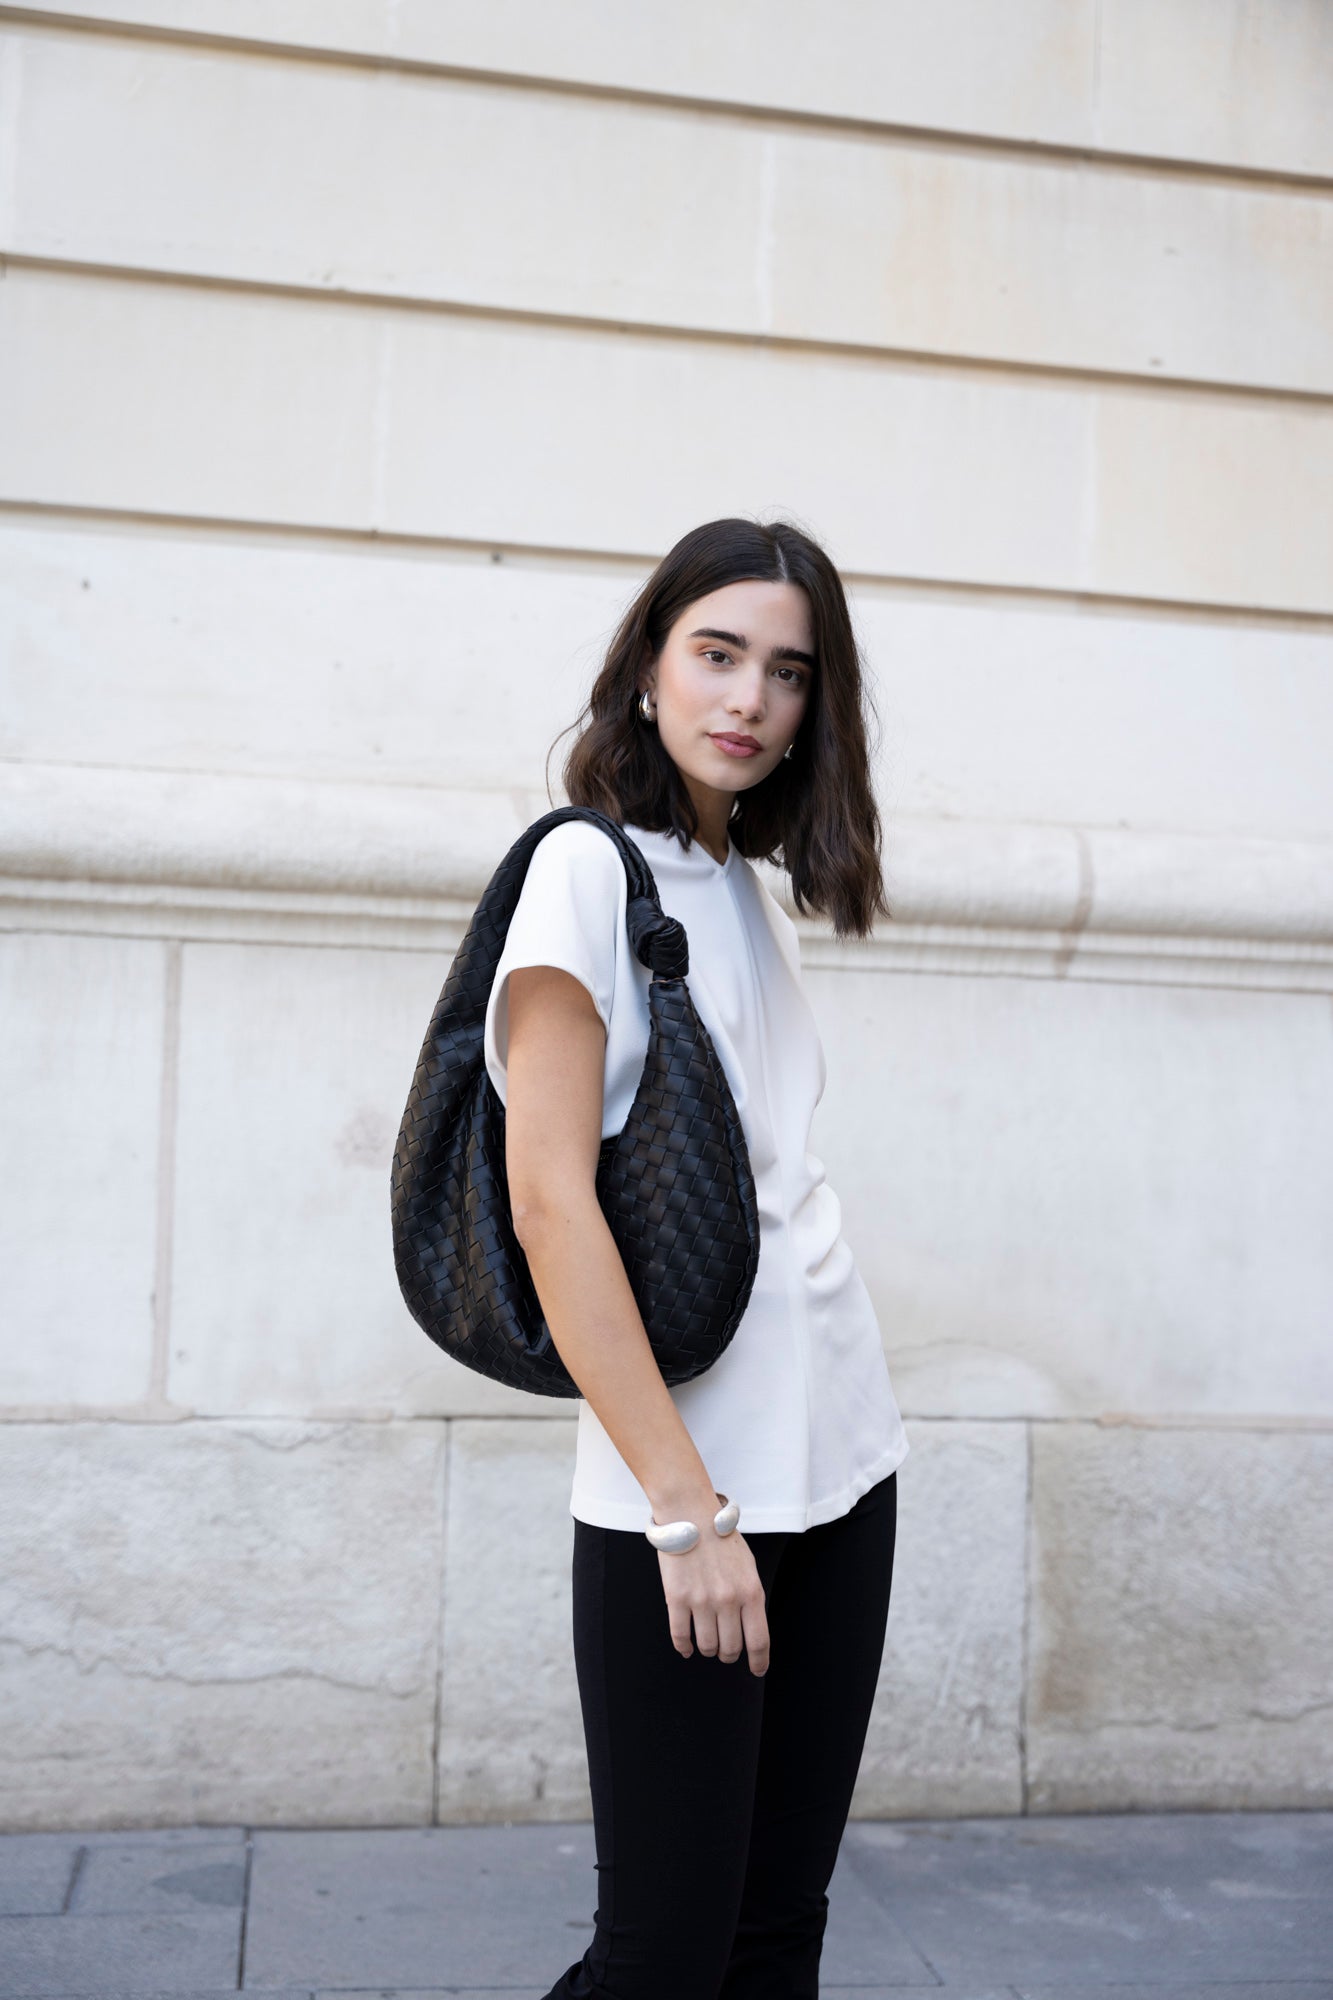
{"type": "Point", "coordinates": [677, 1538]}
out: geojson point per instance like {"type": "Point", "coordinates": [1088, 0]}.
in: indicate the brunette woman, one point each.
{"type": "Point", "coordinates": [726, 1673]}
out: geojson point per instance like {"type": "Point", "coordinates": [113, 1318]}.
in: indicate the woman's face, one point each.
{"type": "Point", "coordinates": [735, 669]}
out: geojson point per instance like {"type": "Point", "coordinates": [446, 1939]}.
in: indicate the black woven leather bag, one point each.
{"type": "Point", "coordinates": [675, 1183]}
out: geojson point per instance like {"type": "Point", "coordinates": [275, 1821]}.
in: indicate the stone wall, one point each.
{"type": "Point", "coordinates": [359, 358]}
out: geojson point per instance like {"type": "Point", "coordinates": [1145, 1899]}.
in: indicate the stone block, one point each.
{"type": "Point", "coordinates": [1240, 81]}
{"type": "Point", "coordinates": [114, 1958]}
{"type": "Point", "coordinates": [1117, 273]}
{"type": "Point", "coordinates": [1017, 713]}
{"type": "Point", "coordinates": [278, 409]}
{"type": "Point", "coordinates": [559, 395]}
{"type": "Point", "coordinates": [1028, 77]}
{"type": "Point", "coordinates": [431, 1908]}
{"type": "Point", "coordinates": [1167, 522]}
{"type": "Point", "coordinates": [203, 653]}
{"type": "Point", "coordinates": [1064, 267]}
{"type": "Point", "coordinates": [1104, 1197]}
{"type": "Point", "coordinates": [376, 209]}
{"type": "Point", "coordinates": [118, 1879]}
{"type": "Point", "coordinates": [211, 1621]}
{"type": "Point", "coordinates": [36, 1874]}
{"type": "Point", "coordinates": [199, 652]}
{"type": "Point", "coordinates": [81, 1065]}
{"type": "Point", "coordinates": [989, 477]}
{"type": "Point", "coordinates": [511, 1729]}
{"type": "Point", "coordinates": [945, 1732]}
{"type": "Point", "coordinates": [864, 1944]}
{"type": "Point", "coordinates": [1130, 76]}
{"type": "Point", "coordinates": [1091, 1906]}
{"type": "Point", "coordinates": [294, 1069]}
{"type": "Point", "coordinates": [1182, 1619]}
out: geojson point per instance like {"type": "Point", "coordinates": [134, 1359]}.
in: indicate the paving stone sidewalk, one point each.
{"type": "Point", "coordinates": [1110, 1907]}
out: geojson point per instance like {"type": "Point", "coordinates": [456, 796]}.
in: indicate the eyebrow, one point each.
{"type": "Point", "coordinates": [742, 645]}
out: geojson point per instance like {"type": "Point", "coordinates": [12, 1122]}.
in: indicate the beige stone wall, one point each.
{"type": "Point", "coordinates": [357, 358]}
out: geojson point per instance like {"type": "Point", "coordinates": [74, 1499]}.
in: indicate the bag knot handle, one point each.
{"type": "Point", "coordinates": [659, 941]}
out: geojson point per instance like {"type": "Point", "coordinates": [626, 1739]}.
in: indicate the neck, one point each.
{"type": "Point", "coordinates": [714, 810]}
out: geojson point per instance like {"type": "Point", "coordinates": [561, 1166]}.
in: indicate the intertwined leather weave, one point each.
{"type": "Point", "coordinates": [675, 1184]}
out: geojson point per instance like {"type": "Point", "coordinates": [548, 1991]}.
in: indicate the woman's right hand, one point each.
{"type": "Point", "coordinates": [717, 1585]}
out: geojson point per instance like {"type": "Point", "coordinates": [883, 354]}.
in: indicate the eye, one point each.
{"type": "Point", "coordinates": [716, 653]}
{"type": "Point", "coordinates": [800, 677]}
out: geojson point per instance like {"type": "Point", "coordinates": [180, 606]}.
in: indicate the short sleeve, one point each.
{"type": "Point", "coordinates": [571, 914]}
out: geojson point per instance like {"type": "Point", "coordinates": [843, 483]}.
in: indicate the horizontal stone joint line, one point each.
{"type": "Point", "coordinates": [371, 540]}
{"type": "Point", "coordinates": [942, 137]}
{"type": "Point", "coordinates": [1059, 375]}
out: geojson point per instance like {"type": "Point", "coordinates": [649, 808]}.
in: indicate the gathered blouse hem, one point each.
{"type": "Point", "coordinates": [754, 1520]}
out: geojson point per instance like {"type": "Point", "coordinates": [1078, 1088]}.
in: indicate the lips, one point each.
{"type": "Point", "coordinates": [737, 746]}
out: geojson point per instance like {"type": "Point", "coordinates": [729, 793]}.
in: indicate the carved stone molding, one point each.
{"type": "Point", "coordinates": [186, 854]}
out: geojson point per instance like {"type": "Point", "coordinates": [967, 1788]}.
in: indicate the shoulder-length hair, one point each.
{"type": "Point", "coordinates": [815, 813]}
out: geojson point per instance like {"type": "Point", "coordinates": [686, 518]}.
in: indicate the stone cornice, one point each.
{"type": "Point", "coordinates": [201, 855]}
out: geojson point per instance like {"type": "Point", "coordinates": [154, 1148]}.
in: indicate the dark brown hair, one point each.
{"type": "Point", "coordinates": [815, 814]}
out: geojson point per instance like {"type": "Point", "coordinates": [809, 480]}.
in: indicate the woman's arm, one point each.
{"type": "Point", "coordinates": [553, 1134]}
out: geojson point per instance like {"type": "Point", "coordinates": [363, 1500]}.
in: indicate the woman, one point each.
{"type": "Point", "coordinates": [725, 1690]}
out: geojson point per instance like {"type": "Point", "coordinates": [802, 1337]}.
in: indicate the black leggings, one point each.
{"type": "Point", "coordinates": [720, 1797]}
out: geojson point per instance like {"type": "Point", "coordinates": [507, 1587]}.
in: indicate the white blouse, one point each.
{"type": "Point", "coordinates": [797, 1417]}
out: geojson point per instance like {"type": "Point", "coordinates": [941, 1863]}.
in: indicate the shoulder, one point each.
{"type": "Point", "coordinates": [576, 880]}
{"type": "Point", "coordinates": [570, 910]}
{"type": "Point", "coordinates": [577, 848]}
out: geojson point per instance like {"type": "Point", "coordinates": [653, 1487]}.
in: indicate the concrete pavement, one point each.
{"type": "Point", "coordinates": [1178, 1906]}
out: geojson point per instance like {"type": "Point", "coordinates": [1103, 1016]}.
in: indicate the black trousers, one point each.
{"type": "Point", "coordinates": [720, 1798]}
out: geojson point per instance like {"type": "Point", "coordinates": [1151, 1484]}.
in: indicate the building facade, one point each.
{"type": "Point", "coordinates": [357, 360]}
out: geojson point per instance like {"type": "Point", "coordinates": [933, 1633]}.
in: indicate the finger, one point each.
{"type": "Point", "coordinates": [729, 1636]}
{"type": "Point", "coordinates": [755, 1620]}
{"type": "Point", "coordinates": [679, 1620]}
{"type": "Point", "coordinates": [705, 1631]}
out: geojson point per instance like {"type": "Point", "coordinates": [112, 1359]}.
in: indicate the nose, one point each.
{"type": "Point", "coordinates": [748, 695]}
